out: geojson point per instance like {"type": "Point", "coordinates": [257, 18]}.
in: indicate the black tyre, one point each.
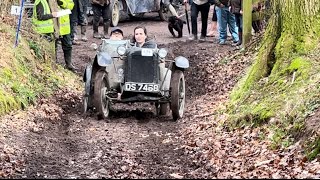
{"type": "Point", "coordinates": [136, 16]}
{"type": "Point", "coordinates": [85, 102]}
{"type": "Point", "coordinates": [101, 103]}
{"type": "Point", "coordinates": [115, 13]}
{"type": "Point", "coordinates": [177, 94]}
{"type": "Point", "coordinates": [164, 12]}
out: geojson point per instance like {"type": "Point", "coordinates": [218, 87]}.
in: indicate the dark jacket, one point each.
{"type": "Point", "coordinates": [148, 44]}
{"type": "Point", "coordinates": [40, 13]}
{"type": "Point", "coordinates": [224, 2]}
{"type": "Point", "coordinates": [100, 2]}
{"type": "Point", "coordinates": [211, 2]}
{"type": "Point", "coordinates": [236, 6]}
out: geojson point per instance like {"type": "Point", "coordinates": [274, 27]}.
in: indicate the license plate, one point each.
{"type": "Point", "coordinates": [146, 52]}
{"type": "Point", "coordinates": [141, 87]}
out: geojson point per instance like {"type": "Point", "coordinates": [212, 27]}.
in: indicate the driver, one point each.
{"type": "Point", "coordinates": [116, 34]}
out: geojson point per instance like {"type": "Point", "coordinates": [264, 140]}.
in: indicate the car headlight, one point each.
{"type": "Point", "coordinates": [162, 53]}
{"type": "Point", "coordinates": [121, 50]}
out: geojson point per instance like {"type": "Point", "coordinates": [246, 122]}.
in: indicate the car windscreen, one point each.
{"type": "Point", "coordinates": [110, 46]}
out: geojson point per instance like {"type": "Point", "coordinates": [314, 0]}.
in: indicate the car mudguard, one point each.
{"type": "Point", "coordinates": [181, 62]}
{"type": "Point", "coordinates": [87, 79]}
{"type": "Point", "coordinates": [104, 59]}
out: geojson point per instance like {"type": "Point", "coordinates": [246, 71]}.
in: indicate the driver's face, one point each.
{"type": "Point", "coordinates": [140, 36]}
{"type": "Point", "coordinates": [116, 36]}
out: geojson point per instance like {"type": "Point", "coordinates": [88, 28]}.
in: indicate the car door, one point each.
{"type": "Point", "coordinates": [141, 6]}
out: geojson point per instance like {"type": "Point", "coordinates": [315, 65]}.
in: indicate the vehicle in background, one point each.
{"type": "Point", "coordinates": [121, 9]}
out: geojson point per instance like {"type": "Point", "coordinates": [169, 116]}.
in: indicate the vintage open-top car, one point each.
{"type": "Point", "coordinates": [122, 73]}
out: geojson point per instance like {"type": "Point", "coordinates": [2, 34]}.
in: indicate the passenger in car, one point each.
{"type": "Point", "coordinates": [140, 38]}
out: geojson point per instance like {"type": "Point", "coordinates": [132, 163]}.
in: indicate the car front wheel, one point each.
{"type": "Point", "coordinates": [115, 13]}
{"type": "Point", "coordinates": [101, 102]}
{"type": "Point", "coordinates": [177, 94]}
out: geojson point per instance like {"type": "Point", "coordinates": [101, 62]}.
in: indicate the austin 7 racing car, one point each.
{"type": "Point", "coordinates": [123, 73]}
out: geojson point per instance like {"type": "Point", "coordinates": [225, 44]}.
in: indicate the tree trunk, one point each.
{"type": "Point", "coordinates": [293, 28]}
{"type": "Point", "coordinates": [281, 88]}
{"type": "Point", "coordinates": [247, 20]}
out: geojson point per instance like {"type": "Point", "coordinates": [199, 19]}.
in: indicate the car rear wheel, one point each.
{"type": "Point", "coordinates": [177, 94]}
{"type": "Point", "coordinates": [115, 13]}
{"type": "Point", "coordinates": [101, 102]}
{"type": "Point", "coordinates": [162, 108]}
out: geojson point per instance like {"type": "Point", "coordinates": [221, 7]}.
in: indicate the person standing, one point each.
{"type": "Point", "coordinates": [42, 20]}
{"type": "Point", "coordinates": [101, 8]}
{"type": "Point", "coordinates": [78, 16]}
{"type": "Point", "coordinates": [226, 19]}
{"type": "Point", "coordinates": [203, 7]}
{"type": "Point", "coordinates": [257, 17]}
{"type": "Point", "coordinates": [236, 9]}
{"type": "Point", "coordinates": [213, 27]}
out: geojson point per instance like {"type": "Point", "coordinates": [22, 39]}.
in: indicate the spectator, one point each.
{"type": "Point", "coordinates": [79, 17]}
{"type": "Point", "coordinates": [42, 20]}
{"type": "Point", "coordinates": [213, 28]}
{"type": "Point", "coordinates": [226, 18]}
{"type": "Point", "coordinates": [202, 6]}
{"type": "Point", "coordinates": [101, 8]}
{"type": "Point", "coordinates": [236, 9]}
{"type": "Point", "coordinates": [257, 17]}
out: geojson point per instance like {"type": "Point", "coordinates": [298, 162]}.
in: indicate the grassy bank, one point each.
{"type": "Point", "coordinates": [29, 71]}
{"type": "Point", "coordinates": [281, 90]}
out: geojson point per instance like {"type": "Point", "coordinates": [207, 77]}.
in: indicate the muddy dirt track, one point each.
{"type": "Point", "coordinates": [54, 140]}
{"type": "Point", "coordinates": [134, 143]}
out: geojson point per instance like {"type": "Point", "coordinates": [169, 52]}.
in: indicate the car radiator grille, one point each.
{"type": "Point", "coordinates": [143, 69]}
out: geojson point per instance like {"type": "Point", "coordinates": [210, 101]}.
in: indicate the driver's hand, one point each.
{"type": "Point", "coordinates": [54, 14]}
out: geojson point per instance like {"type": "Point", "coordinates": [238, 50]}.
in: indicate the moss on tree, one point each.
{"type": "Point", "coordinates": [285, 76]}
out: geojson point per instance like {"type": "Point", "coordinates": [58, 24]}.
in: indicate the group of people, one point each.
{"type": "Point", "coordinates": [43, 20]}
{"type": "Point", "coordinates": [43, 23]}
{"type": "Point", "coordinates": [227, 14]}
